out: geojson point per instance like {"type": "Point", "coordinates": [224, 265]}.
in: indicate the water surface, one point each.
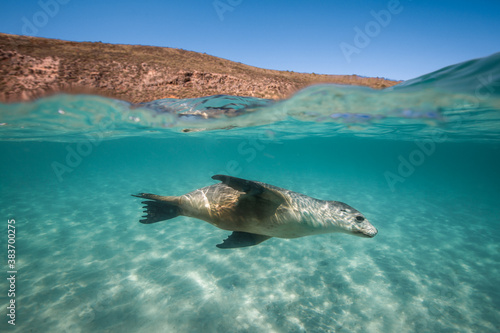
{"type": "Point", "coordinates": [420, 161]}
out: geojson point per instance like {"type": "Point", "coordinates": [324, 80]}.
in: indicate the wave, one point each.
{"type": "Point", "coordinates": [460, 102]}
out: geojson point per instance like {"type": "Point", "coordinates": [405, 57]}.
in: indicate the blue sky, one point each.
{"type": "Point", "coordinates": [394, 39]}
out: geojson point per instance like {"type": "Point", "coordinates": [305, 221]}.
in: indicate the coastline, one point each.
{"type": "Point", "coordinates": [32, 67]}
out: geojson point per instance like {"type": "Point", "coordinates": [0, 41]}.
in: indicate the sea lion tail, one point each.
{"type": "Point", "coordinates": [158, 208]}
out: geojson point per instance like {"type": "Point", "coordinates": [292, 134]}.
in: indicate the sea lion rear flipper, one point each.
{"type": "Point", "coordinates": [159, 209]}
{"type": "Point", "coordinates": [242, 239]}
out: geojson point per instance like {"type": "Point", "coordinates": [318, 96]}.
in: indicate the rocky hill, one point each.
{"type": "Point", "coordinates": [31, 67]}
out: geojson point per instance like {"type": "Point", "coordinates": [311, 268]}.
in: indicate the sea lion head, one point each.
{"type": "Point", "coordinates": [351, 221]}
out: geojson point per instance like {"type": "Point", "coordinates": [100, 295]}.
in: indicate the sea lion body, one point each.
{"type": "Point", "coordinates": [256, 211]}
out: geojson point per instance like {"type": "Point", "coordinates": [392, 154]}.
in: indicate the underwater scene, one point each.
{"type": "Point", "coordinates": [420, 161]}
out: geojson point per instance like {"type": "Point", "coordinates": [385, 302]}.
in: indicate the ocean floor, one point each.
{"type": "Point", "coordinates": [85, 263]}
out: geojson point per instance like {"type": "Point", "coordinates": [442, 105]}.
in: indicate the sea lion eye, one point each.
{"type": "Point", "coordinates": [360, 218]}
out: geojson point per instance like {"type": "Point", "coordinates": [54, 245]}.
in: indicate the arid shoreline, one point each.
{"type": "Point", "coordinates": [31, 67]}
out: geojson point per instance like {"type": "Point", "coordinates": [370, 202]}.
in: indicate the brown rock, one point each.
{"type": "Point", "coordinates": [31, 67]}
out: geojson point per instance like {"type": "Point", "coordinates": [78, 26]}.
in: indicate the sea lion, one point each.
{"type": "Point", "coordinates": [256, 211]}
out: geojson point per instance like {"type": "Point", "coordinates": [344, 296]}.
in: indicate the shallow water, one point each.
{"type": "Point", "coordinates": [425, 174]}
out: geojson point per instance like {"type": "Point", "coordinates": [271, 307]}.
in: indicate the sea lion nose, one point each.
{"type": "Point", "coordinates": [372, 232]}
{"type": "Point", "coordinates": [368, 231]}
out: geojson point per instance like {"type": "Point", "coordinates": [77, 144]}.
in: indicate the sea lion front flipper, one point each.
{"type": "Point", "coordinates": [258, 200]}
{"type": "Point", "coordinates": [251, 188]}
{"type": "Point", "coordinates": [242, 239]}
{"type": "Point", "coordinates": [239, 184]}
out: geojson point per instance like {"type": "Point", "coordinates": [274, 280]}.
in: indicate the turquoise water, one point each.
{"type": "Point", "coordinates": [421, 161]}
